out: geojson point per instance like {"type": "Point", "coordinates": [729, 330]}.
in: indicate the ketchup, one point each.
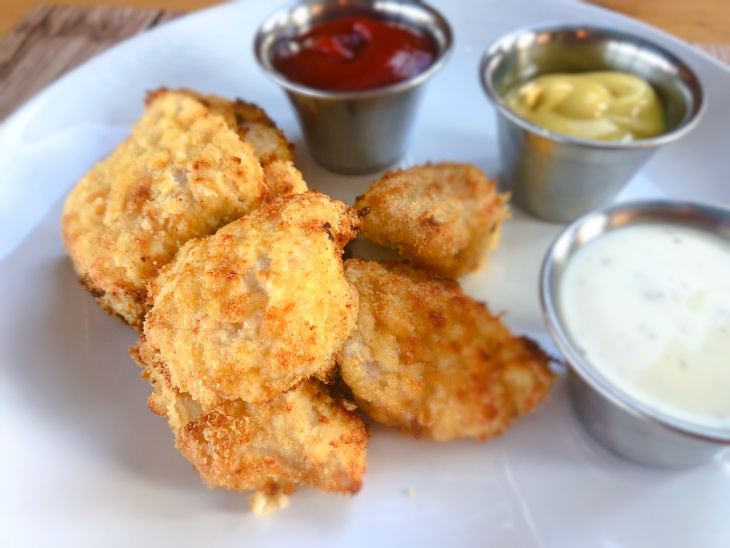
{"type": "Point", "coordinates": [353, 54]}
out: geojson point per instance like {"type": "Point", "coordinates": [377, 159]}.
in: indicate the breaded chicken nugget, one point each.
{"type": "Point", "coordinates": [182, 174]}
{"type": "Point", "coordinates": [271, 148]}
{"type": "Point", "coordinates": [434, 362]}
{"type": "Point", "coordinates": [255, 126]}
{"type": "Point", "coordinates": [303, 437]}
{"type": "Point", "coordinates": [282, 178]}
{"type": "Point", "coordinates": [275, 153]}
{"type": "Point", "coordinates": [443, 217]}
{"type": "Point", "coordinates": [258, 307]}
{"type": "Point", "coordinates": [252, 124]}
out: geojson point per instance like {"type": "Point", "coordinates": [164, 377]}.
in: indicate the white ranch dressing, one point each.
{"type": "Point", "coordinates": [649, 307]}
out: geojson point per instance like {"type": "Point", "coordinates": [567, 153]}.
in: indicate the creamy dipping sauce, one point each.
{"type": "Point", "coordinates": [649, 308]}
{"type": "Point", "coordinates": [602, 106]}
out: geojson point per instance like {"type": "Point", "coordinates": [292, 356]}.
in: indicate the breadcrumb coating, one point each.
{"type": "Point", "coordinates": [434, 362]}
{"type": "Point", "coordinates": [282, 178]}
{"type": "Point", "coordinates": [275, 153]}
{"type": "Point", "coordinates": [444, 217]}
{"type": "Point", "coordinates": [181, 174]}
{"type": "Point", "coordinates": [271, 147]}
{"type": "Point", "coordinates": [258, 307]}
{"type": "Point", "coordinates": [252, 124]}
{"type": "Point", "coordinates": [262, 504]}
{"type": "Point", "coordinates": [303, 437]}
{"type": "Point", "coordinates": [255, 127]}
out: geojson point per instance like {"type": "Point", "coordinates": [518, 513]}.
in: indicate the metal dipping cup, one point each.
{"type": "Point", "coordinates": [559, 178]}
{"type": "Point", "coordinates": [354, 132]}
{"type": "Point", "coordinates": [622, 424]}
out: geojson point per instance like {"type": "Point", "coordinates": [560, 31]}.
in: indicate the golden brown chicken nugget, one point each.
{"type": "Point", "coordinates": [282, 178]}
{"type": "Point", "coordinates": [433, 361]}
{"type": "Point", "coordinates": [303, 437]}
{"type": "Point", "coordinates": [271, 147]}
{"type": "Point", "coordinates": [252, 124]}
{"type": "Point", "coordinates": [275, 153]}
{"type": "Point", "coordinates": [182, 174]}
{"type": "Point", "coordinates": [255, 126]}
{"type": "Point", "coordinates": [443, 217]}
{"type": "Point", "coordinates": [261, 305]}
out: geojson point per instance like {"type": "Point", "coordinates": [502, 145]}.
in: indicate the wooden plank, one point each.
{"type": "Point", "coordinates": [692, 20]}
{"type": "Point", "coordinates": [12, 11]}
{"type": "Point", "coordinates": [15, 40]}
{"type": "Point", "coordinates": [50, 41]}
{"type": "Point", "coordinates": [166, 16]}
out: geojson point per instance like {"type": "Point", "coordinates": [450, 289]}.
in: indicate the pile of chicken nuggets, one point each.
{"type": "Point", "coordinates": [261, 345]}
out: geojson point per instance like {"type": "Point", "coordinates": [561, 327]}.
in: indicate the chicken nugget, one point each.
{"type": "Point", "coordinates": [282, 178]}
{"type": "Point", "coordinates": [252, 124]}
{"type": "Point", "coordinates": [443, 217]}
{"type": "Point", "coordinates": [275, 153]}
{"type": "Point", "coordinates": [271, 147]}
{"type": "Point", "coordinates": [260, 306]}
{"type": "Point", "coordinates": [303, 437]}
{"type": "Point", "coordinates": [255, 126]}
{"type": "Point", "coordinates": [434, 362]}
{"type": "Point", "coordinates": [181, 174]}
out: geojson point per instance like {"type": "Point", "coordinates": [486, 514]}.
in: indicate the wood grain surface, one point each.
{"type": "Point", "coordinates": [51, 40]}
{"type": "Point", "coordinates": [12, 11]}
{"type": "Point", "coordinates": [706, 21]}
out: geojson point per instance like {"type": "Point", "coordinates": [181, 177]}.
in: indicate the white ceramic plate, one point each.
{"type": "Point", "coordinates": [82, 460]}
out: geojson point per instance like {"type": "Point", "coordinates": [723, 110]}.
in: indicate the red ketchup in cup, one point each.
{"type": "Point", "coordinates": [355, 54]}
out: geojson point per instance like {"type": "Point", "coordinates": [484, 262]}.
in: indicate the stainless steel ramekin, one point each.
{"type": "Point", "coordinates": [355, 131]}
{"type": "Point", "coordinates": [557, 177]}
{"type": "Point", "coordinates": [621, 423]}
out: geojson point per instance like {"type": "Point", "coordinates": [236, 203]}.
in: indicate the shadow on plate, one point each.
{"type": "Point", "coordinates": [68, 363]}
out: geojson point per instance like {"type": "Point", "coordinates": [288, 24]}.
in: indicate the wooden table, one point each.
{"type": "Point", "coordinates": [705, 21]}
{"type": "Point", "coordinates": [43, 42]}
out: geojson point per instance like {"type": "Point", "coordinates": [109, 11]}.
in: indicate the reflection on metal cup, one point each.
{"type": "Point", "coordinates": [623, 424]}
{"type": "Point", "coordinates": [635, 438]}
{"type": "Point", "coordinates": [357, 135]}
{"type": "Point", "coordinates": [557, 177]}
{"type": "Point", "coordinates": [354, 131]}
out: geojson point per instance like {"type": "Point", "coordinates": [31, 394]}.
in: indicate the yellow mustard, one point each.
{"type": "Point", "coordinates": [602, 106]}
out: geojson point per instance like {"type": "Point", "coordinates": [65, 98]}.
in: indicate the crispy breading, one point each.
{"type": "Point", "coordinates": [182, 174]}
{"type": "Point", "coordinates": [252, 124]}
{"type": "Point", "coordinates": [262, 503]}
{"type": "Point", "coordinates": [271, 148]}
{"type": "Point", "coordinates": [433, 361]}
{"type": "Point", "coordinates": [255, 126]}
{"type": "Point", "coordinates": [282, 178]}
{"type": "Point", "coordinates": [275, 153]}
{"type": "Point", "coordinates": [261, 305]}
{"type": "Point", "coordinates": [443, 217]}
{"type": "Point", "coordinates": [303, 437]}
